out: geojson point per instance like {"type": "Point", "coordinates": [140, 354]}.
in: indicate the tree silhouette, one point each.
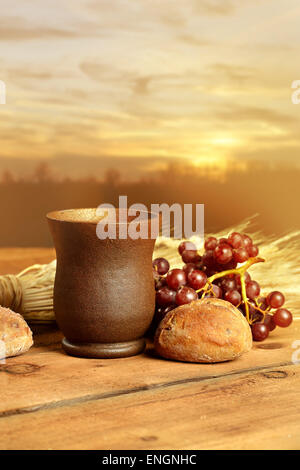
{"type": "Point", "coordinates": [42, 173]}
{"type": "Point", "coordinates": [112, 177]}
{"type": "Point", "coordinates": [8, 177]}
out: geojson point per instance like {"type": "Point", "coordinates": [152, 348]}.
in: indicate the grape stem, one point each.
{"type": "Point", "coordinates": [241, 272]}
{"type": "Point", "coordinates": [263, 312]}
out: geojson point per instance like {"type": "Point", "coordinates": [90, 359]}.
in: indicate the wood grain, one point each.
{"type": "Point", "coordinates": [247, 411]}
{"type": "Point", "coordinates": [50, 400]}
{"type": "Point", "coordinates": [55, 377]}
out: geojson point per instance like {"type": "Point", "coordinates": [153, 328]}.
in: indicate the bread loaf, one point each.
{"type": "Point", "coordinates": [208, 330]}
{"type": "Point", "coordinates": [15, 334]}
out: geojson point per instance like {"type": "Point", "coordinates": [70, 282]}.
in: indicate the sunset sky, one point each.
{"type": "Point", "coordinates": [142, 82]}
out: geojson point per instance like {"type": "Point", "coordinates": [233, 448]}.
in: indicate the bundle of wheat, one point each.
{"type": "Point", "coordinates": [31, 291]}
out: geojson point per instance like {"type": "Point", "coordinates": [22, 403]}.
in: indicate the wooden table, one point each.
{"type": "Point", "coordinates": [52, 401]}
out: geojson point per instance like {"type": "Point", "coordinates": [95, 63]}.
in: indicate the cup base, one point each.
{"type": "Point", "coordinates": [104, 350]}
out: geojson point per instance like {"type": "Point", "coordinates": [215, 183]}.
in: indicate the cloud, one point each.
{"type": "Point", "coordinates": [138, 84]}
{"type": "Point", "coordinates": [214, 7]}
{"type": "Point", "coordinates": [222, 7]}
{"type": "Point", "coordinates": [20, 29]}
{"type": "Point", "coordinates": [33, 78]}
{"type": "Point", "coordinates": [193, 40]}
{"type": "Point", "coordinates": [99, 71]}
{"type": "Point", "coordinates": [251, 113]}
{"type": "Point", "coordinates": [142, 85]}
{"type": "Point", "coordinates": [25, 73]}
{"type": "Point", "coordinates": [138, 15]}
{"type": "Point", "coordinates": [144, 78]}
{"type": "Point", "coordinates": [232, 72]}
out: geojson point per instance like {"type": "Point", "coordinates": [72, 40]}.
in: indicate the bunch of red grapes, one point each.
{"type": "Point", "coordinates": [181, 286]}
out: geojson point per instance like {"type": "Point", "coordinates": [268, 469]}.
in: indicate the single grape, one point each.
{"type": "Point", "coordinates": [186, 245]}
{"type": "Point", "coordinates": [190, 256]}
{"type": "Point", "coordinates": [282, 317]}
{"type": "Point", "coordinates": [252, 290]}
{"type": "Point", "coordinates": [188, 267]}
{"type": "Point", "coordinates": [185, 295]}
{"type": "Point", "coordinates": [260, 331]}
{"type": "Point", "coordinates": [217, 291]}
{"type": "Point", "coordinates": [161, 265]}
{"type": "Point", "coordinates": [197, 279]}
{"type": "Point", "coordinates": [247, 241]}
{"type": "Point", "coordinates": [240, 255]}
{"type": "Point", "coordinates": [275, 299]}
{"type": "Point", "coordinates": [235, 239]}
{"type": "Point", "coordinates": [228, 284]}
{"type": "Point", "coordinates": [269, 322]}
{"type": "Point", "coordinates": [165, 296]}
{"type": "Point", "coordinates": [210, 243]}
{"type": "Point", "coordinates": [233, 296]}
{"type": "Point", "coordinates": [223, 253]}
{"type": "Point", "coordinates": [176, 278]}
{"type": "Point", "coordinates": [252, 251]}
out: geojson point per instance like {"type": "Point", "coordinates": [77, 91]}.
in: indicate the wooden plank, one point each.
{"type": "Point", "coordinates": [50, 400]}
{"type": "Point", "coordinates": [47, 375]}
{"type": "Point", "coordinates": [55, 377]}
{"type": "Point", "coordinates": [256, 410]}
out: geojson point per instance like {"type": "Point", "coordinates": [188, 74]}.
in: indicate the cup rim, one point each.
{"type": "Point", "coordinates": [57, 216]}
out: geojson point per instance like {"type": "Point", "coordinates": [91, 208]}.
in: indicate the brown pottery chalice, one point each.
{"type": "Point", "coordinates": [104, 296]}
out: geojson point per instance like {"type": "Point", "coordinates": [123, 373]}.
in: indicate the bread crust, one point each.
{"type": "Point", "coordinates": [15, 334]}
{"type": "Point", "coordinates": [208, 330]}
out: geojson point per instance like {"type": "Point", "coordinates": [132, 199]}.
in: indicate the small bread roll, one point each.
{"type": "Point", "coordinates": [208, 330]}
{"type": "Point", "coordinates": [15, 334]}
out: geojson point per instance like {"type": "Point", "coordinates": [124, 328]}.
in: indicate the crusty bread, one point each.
{"type": "Point", "coordinates": [15, 334]}
{"type": "Point", "coordinates": [208, 330]}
